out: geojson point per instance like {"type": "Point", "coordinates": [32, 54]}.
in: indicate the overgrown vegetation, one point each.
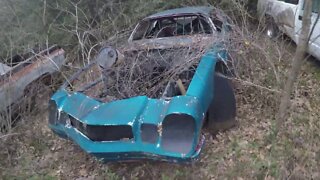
{"type": "Point", "coordinates": [249, 151]}
{"type": "Point", "coordinates": [78, 25]}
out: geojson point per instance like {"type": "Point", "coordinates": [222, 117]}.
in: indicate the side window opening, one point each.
{"type": "Point", "coordinates": [218, 22]}
{"type": "Point", "coordinates": [141, 30]}
{"type": "Point", "coordinates": [315, 6]}
{"type": "Point", "coordinates": [205, 25]}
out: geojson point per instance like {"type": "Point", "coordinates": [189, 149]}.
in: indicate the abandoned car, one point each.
{"type": "Point", "coordinates": [150, 98]}
{"type": "Point", "coordinates": [22, 71]}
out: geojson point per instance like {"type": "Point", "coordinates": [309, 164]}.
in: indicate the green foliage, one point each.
{"type": "Point", "coordinates": [77, 25]}
{"type": "Point", "coordinates": [110, 175]}
{"type": "Point", "coordinates": [21, 26]}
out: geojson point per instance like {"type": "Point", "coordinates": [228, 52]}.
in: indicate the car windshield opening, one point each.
{"type": "Point", "coordinates": [172, 26]}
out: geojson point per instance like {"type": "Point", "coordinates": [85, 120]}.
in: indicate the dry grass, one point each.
{"type": "Point", "coordinates": [249, 151]}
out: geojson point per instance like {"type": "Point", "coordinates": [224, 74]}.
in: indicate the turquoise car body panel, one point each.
{"type": "Point", "coordinates": [136, 111]}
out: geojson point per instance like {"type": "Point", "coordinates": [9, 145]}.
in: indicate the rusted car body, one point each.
{"type": "Point", "coordinates": [14, 80]}
{"type": "Point", "coordinates": [162, 119]}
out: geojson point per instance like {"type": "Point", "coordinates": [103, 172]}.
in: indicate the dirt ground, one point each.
{"type": "Point", "coordinates": [249, 151]}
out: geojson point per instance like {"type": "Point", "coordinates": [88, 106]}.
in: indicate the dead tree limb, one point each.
{"type": "Point", "coordinates": [298, 58]}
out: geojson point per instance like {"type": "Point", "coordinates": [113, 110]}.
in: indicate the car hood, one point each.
{"type": "Point", "coordinates": [126, 111]}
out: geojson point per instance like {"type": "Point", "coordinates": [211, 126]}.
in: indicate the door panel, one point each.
{"type": "Point", "coordinates": [314, 46]}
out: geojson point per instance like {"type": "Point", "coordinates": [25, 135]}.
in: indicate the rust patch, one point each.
{"type": "Point", "coordinates": [40, 59]}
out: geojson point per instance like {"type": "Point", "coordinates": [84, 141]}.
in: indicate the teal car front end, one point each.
{"type": "Point", "coordinates": [165, 127]}
{"type": "Point", "coordinates": [138, 127]}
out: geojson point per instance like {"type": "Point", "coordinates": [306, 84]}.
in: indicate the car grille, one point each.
{"type": "Point", "coordinates": [103, 132]}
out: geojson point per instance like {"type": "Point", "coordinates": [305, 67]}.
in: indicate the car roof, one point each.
{"type": "Point", "coordinates": [204, 10]}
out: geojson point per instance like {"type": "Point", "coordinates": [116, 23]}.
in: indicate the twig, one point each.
{"type": "Point", "coordinates": [7, 135]}
{"type": "Point", "coordinates": [249, 83]}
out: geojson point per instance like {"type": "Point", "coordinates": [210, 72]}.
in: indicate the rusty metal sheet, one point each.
{"type": "Point", "coordinates": [14, 82]}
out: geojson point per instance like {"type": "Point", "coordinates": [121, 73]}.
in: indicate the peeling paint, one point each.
{"type": "Point", "coordinates": [15, 81]}
{"type": "Point", "coordinates": [134, 112]}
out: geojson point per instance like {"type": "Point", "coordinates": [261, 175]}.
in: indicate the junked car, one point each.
{"type": "Point", "coordinates": [20, 72]}
{"type": "Point", "coordinates": [150, 98]}
{"type": "Point", "coordinates": [286, 16]}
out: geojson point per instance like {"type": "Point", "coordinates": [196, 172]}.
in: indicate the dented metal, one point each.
{"type": "Point", "coordinates": [15, 79]}
{"type": "Point", "coordinates": [138, 111]}
{"type": "Point", "coordinates": [166, 128]}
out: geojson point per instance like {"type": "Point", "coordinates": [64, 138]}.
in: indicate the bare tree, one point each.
{"type": "Point", "coordinates": [298, 59]}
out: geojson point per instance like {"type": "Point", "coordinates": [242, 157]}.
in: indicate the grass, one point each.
{"type": "Point", "coordinates": [250, 151]}
{"type": "Point", "coordinates": [314, 67]}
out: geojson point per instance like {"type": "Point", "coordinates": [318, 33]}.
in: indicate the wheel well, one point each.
{"type": "Point", "coordinates": [220, 66]}
{"type": "Point", "coordinates": [45, 79]}
{"type": "Point", "coordinates": [269, 19]}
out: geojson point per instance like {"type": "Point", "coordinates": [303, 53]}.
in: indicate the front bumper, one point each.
{"type": "Point", "coordinates": [160, 129]}
{"type": "Point", "coordinates": [130, 129]}
{"type": "Point", "coordinates": [127, 155]}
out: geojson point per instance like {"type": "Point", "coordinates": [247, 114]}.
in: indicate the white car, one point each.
{"type": "Point", "coordinates": [286, 16]}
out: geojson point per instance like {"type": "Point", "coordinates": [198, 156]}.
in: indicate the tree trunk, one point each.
{"type": "Point", "coordinates": [296, 65]}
